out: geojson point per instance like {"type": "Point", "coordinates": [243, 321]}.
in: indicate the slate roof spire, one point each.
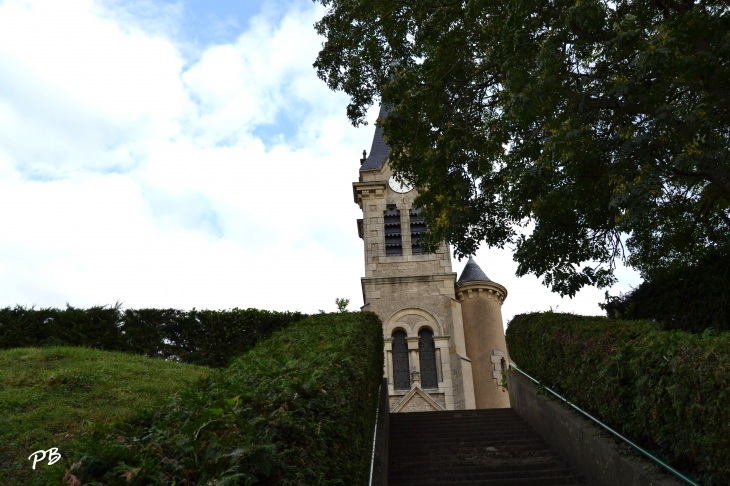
{"type": "Point", "coordinates": [379, 150]}
{"type": "Point", "coordinates": [472, 273]}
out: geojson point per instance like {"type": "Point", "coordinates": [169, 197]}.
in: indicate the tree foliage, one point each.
{"type": "Point", "coordinates": [692, 299]}
{"type": "Point", "coordinates": [581, 132]}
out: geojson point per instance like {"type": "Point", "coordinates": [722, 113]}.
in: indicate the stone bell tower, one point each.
{"type": "Point", "coordinates": [429, 340]}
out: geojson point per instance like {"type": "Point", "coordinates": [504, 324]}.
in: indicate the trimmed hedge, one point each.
{"type": "Point", "coordinates": [691, 299]}
{"type": "Point", "coordinates": [205, 337]}
{"type": "Point", "coordinates": [297, 409]}
{"type": "Point", "coordinates": [96, 327]}
{"type": "Point", "coordinates": [668, 390]}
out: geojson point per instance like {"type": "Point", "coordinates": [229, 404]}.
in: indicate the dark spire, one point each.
{"type": "Point", "coordinates": [472, 273]}
{"type": "Point", "coordinates": [379, 151]}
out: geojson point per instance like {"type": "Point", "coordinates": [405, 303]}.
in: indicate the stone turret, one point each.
{"type": "Point", "coordinates": [481, 308]}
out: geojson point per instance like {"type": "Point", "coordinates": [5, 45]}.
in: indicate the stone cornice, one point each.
{"type": "Point", "coordinates": [479, 286]}
{"type": "Point", "coordinates": [364, 190]}
{"type": "Point", "coordinates": [410, 278]}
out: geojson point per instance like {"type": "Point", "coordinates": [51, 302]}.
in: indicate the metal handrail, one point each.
{"type": "Point", "coordinates": [594, 419]}
{"type": "Point", "coordinates": [375, 434]}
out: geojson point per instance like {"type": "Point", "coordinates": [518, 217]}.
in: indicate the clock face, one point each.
{"type": "Point", "coordinates": [399, 186]}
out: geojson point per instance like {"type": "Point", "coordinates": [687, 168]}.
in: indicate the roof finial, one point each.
{"type": "Point", "coordinates": [364, 156]}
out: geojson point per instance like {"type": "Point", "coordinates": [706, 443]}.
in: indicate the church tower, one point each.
{"type": "Point", "coordinates": [427, 343]}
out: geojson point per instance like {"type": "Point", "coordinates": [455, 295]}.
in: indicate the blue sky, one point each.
{"type": "Point", "coordinates": [184, 154]}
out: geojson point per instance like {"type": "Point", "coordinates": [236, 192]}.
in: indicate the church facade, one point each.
{"type": "Point", "coordinates": [444, 340]}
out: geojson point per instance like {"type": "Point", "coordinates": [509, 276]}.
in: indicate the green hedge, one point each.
{"type": "Point", "coordinates": [668, 390]}
{"type": "Point", "coordinates": [691, 299]}
{"type": "Point", "coordinates": [297, 409]}
{"type": "Point", "coordinates": [207, 337]}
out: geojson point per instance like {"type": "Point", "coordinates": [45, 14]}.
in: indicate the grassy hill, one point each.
{"type": "Point", "coordinates": [50, 397]}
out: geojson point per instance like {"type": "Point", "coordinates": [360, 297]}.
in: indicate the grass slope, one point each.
{"type": "Point", "coordinates": [49, 397]}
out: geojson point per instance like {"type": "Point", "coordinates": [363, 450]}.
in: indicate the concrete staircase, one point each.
{"type": "Point", "coordinates": [469, 448]}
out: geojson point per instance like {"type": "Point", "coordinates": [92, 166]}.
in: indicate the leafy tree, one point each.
{"type": "Point", "coordinates": [565, 128]}
{"type": "Point", "coordinates": [342, 304]}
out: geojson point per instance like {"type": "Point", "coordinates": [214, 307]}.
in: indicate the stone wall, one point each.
{"type": "Point", "coordinates": [596, 457]}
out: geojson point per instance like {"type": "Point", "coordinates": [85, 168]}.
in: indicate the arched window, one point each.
{"type": "Point", "coordinates": [427, 353]}
{"type": "Point", "coordinates": [401, 370]}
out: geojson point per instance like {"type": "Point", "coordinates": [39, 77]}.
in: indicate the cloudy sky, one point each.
{"type": "Point", "coordinates": [184, 154]}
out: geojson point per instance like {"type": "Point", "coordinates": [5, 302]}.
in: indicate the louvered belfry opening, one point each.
{"type": "Point", "coordinates": [401, 370]}
{"type": "Point", "coordinates": [427, 354]}
{"type": "Point", "coordinates": [418, 228]}
{"type": "Point", "coordinates": [393, 239]}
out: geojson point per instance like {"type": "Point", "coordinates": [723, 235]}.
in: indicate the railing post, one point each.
{"type": "Point", "coordinates": [379, 460]}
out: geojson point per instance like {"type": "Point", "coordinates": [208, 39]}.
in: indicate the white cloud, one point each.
{"type": "Point", "coordinates": [130, 171]}
{"type": "Point", "coordinates": [80, 92]}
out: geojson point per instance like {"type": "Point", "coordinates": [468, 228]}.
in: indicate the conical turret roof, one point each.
{"type": "Point", "coordinates": [472, 273]}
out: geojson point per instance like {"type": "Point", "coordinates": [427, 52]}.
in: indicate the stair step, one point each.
{"type": "Point", "coordinates": [460, 413]}
{"type": "Point", "coordinates": [458, 416]}
{"type": "Point", "coordinates": [466, 448]}
{"type": "Point", "coordinates": [457, 474]}
{"type": "Point", "coordinates": [441, 439]}
{"type": "Point", "coordinates": [478, 459]}
{"type": "Point", "coordinates": [459, 426]}
{"type": "Point", "coordinates": [416, 429]}
{"type": "Point", "coordinates": [470, 448]}
{"type": "Point", "coordinates": [405, 435]}
{"type": "Point", "coordinates": [434, 468]}
{"type": "Point", "coordinates": [455, 420]}
{"type": "Point", "coordinates": [458, 421]}
{"type": "Point", "coordinates": [540, 481]}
